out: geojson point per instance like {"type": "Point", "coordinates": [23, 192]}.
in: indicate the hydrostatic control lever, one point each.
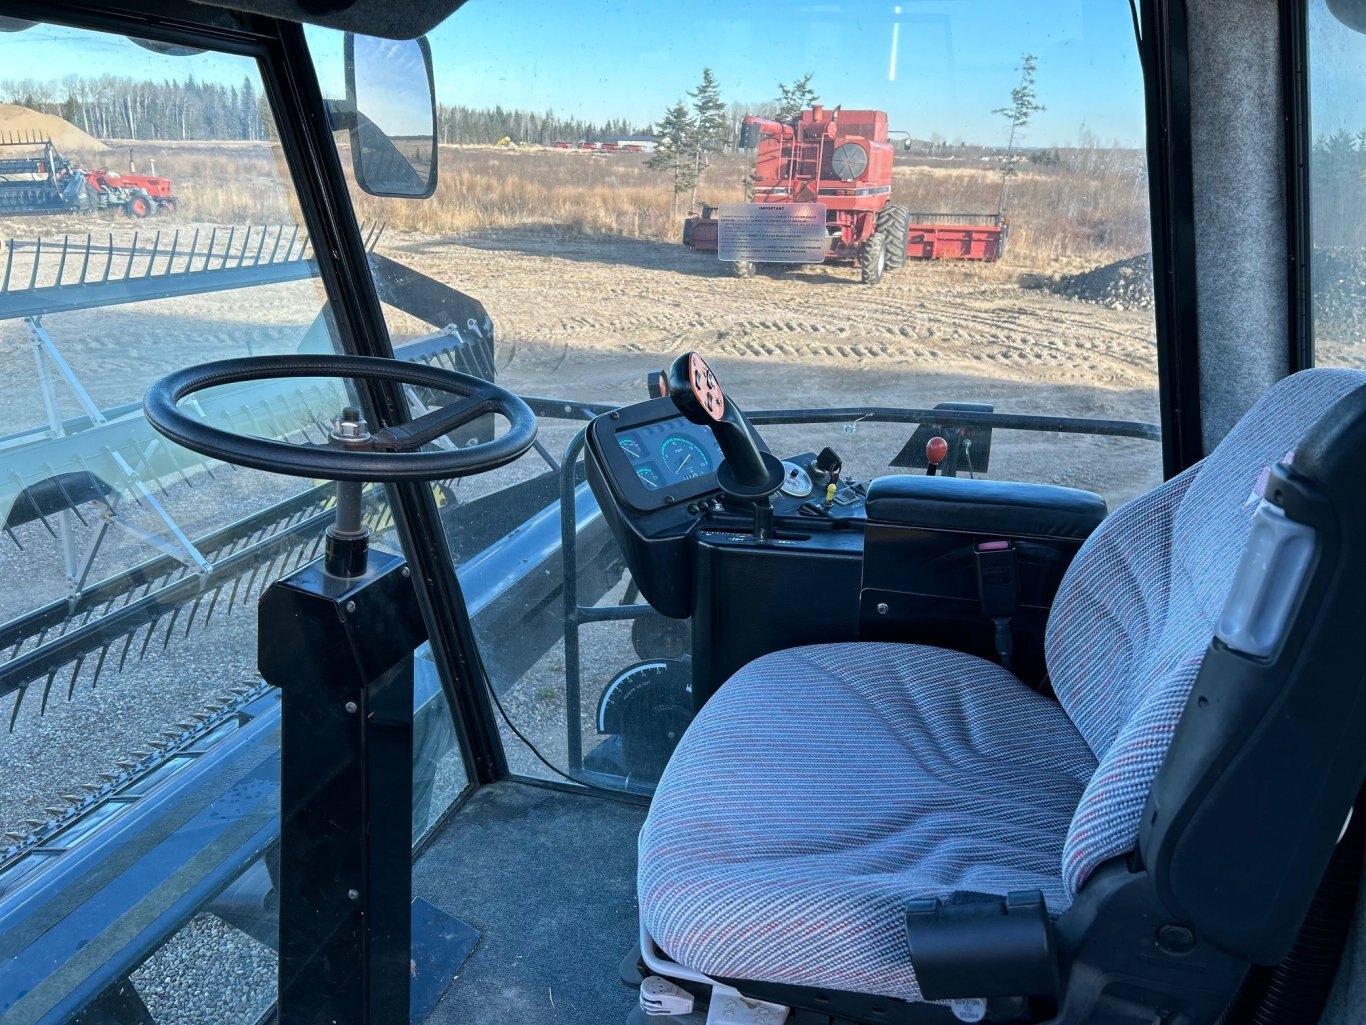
{"type": "Point", "coordinates": [748, 471]}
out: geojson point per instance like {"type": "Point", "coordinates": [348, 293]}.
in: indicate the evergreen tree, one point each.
{"type": "Point", "coordinates": [795, 98]}
{"type": "Point", "coordinates": [711, 129]}
{"type": "Point", "coordinates": [676, 149]}
{"type": "Point", "coordinates": [247, 119]}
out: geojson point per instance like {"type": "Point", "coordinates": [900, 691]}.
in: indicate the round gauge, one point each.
{"type": "Point", "coordinates": [684, 457]}
{"type": "Point", "coordinates": [648, 477]}
{"type": "Point", "coordinates": [796, 481]}
{"type": "Point", "coordinates": [849, 161]}
{"type": "Point", "coordinates": [632, 447]}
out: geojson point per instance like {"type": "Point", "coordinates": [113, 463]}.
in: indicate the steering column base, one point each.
{"type": "Point", "coordinates": [346, 554]}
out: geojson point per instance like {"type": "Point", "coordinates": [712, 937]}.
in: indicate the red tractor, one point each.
{"type": "Point", "coordinates": [139, 195]}
{"type": "Point", "coordinates": [843, 160]}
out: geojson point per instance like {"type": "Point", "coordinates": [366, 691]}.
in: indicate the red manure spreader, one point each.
{"type": "Point", "coordinates": [842, 160]}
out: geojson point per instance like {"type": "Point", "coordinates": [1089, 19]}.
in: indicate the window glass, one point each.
{"type": "Point", "coordinates": [1337, 120]}
{"type": "Point", "coordinates": [148, 222]}
{"type": "Point", "coordinates": [987, 241]}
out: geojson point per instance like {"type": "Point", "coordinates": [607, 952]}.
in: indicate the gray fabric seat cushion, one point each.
{"type": "Point", "coordinates": [823, 787]}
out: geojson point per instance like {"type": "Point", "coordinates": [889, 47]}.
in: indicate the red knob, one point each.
{"type": "Point", "coordinates": [935, 450]}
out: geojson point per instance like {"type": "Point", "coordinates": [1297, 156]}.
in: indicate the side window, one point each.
{"type": "Point", "coordinates": [1337, 165]}
{"type": "Point", "coordinates": [148, 221]}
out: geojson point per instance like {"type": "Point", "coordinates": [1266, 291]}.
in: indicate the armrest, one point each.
{"type": "Point", "coordinates": [985, 506]}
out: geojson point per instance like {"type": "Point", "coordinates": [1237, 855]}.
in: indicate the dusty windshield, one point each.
{"type": "Point", "coordinates": [865, 209]}
{"type": "Point", "coordinates": [1007, 144]}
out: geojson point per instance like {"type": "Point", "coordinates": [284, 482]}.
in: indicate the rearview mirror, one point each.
{"type": "Point", "coordinates": [391, 108]}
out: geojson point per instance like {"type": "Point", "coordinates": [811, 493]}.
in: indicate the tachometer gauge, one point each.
{"type": "Point", "coordinates": [652, 480]}
{"type": "Point", "coordinates": [632, 448]}
{"type": "Point", "coordinates": [684, 457]}
{"type": "Point", "coordinates": [796, 481]}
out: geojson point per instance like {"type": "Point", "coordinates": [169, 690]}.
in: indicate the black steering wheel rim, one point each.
{"type": "Point", "coordinates": [161, 407]}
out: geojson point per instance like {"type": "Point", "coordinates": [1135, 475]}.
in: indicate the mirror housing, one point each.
{"type": "Point", "coordinates": [390, 115]}
{"type": "Point", "coordinates": [1351, 13]}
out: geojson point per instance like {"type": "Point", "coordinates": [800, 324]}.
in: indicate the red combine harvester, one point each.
{"type": "Point", "coordinates": [842, 159]}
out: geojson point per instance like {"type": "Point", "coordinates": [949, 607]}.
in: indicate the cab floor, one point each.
{"type": "Point", "coordinates": [548, 879]}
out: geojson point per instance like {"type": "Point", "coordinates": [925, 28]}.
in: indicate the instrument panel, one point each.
{"type": "Point", "coordinates": [664, 461]}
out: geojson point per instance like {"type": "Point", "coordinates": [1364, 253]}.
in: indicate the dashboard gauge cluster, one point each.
{"type": "Point", "coordinates": [670, 452]}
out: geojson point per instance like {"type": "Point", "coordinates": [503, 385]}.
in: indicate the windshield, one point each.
{"type": "Point", "coordinates": [944, 203]}
{"type": "Point", "coordinates": [866, 218]}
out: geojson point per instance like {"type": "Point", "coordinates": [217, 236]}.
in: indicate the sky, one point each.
{"type": "Point", "coordinates": [938, 67]}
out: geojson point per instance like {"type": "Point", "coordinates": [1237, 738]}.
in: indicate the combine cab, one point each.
{"type": "Point", "coordinates": [36, 179]}
{"type": "Point", "coordinates": [842, 161]}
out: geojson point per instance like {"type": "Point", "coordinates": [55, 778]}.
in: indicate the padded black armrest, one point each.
{"type": "Point", "coordinates": [985, 506]}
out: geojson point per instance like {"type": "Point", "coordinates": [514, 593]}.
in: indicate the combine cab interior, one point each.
{"type": "Point", "coordinates": [488, 540]}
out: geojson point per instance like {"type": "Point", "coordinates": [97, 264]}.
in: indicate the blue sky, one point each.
{"type": "Point", "coordinates": [955, 60]}
{"type": "Point", "coordinates": [1337, 74]}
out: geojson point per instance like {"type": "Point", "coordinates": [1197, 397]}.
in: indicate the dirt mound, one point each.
{"type": "Point", "coordinates": [21, 123]}
{"type": "Point", "coordinates": [1123, 285]}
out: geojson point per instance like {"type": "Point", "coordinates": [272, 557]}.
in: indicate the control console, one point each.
{"type": "Point", "coordinates": [668, 470]}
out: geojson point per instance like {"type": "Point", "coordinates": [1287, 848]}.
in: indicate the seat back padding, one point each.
{"type": "Point", "coordinates": [1136, 611]}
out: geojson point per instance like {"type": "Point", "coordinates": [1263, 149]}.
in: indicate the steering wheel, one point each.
{"type": "Point", "coordinates": [354, 455]}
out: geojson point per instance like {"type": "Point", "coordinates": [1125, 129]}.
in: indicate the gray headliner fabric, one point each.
{"type": "Point", "coordinates": [394, 19]}
{"type": "Point", "coordinates": [1238, 157]}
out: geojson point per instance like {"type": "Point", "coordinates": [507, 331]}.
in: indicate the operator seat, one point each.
{"type": "Point", "coordinates": [826, 791]}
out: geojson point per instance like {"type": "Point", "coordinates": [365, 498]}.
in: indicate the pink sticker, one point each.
{"type": "Point", "coordinates": [1259, 488]}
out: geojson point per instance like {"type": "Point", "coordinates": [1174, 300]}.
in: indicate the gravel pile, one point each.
{"type": "Point", "coordinates": [1123, 285]}
{"type": "Point", "coordinates": [1339, 282]}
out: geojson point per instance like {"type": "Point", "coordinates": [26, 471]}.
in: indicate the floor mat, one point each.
{"type": "Point", "coordinates": [548, 879]}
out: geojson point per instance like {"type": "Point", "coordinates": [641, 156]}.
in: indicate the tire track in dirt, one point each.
{"type": "Point", "coordinates": [607, 295]}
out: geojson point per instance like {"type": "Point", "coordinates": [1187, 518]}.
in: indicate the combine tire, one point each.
{"type": "Point", "coordinates": [745, 268]}
{"type": "Point", "coordinates": [872, 260]}
{"type": "Point", "coordinates": [898, 223]}
{"type": "Point", "coordinates": [139, 206]}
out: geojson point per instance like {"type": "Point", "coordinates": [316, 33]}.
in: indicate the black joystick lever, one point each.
{"type": "Point", "coordinates": [748, 471]}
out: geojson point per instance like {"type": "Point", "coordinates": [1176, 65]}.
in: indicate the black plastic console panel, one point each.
{"type": "Point", "coordinates": [1007, 508]}
{"type": "Point", "coordinates": [923, 573]}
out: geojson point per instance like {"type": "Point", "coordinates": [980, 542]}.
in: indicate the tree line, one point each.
{"type": "Point", "coordinates": [1337, 170]}
{"type": "Point", "coordinates": [465, 125]}
{"type": "Point", "coordinates": [115, 107]}
{"type": "Point", "coordinates": [112, 107]}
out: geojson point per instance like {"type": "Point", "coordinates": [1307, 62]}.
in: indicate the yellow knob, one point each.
{"type": "Point", "coordinates": [830, 493]}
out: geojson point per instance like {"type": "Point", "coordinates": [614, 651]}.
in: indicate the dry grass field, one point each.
{"type": "Point", "coordinates": [1088, 210]}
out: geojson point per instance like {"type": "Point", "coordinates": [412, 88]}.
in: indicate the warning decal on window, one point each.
{"type": "Point", "coordinates": [771, 232]}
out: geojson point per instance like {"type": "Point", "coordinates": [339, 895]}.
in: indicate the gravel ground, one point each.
{"type": "Point", "coordinates": [1338, 279]}
{"type": "Point", "coordinates": [1123, 285]}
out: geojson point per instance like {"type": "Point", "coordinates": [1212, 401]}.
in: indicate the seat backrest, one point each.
{"type": "Point", "coordinates": [1136, 611]}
